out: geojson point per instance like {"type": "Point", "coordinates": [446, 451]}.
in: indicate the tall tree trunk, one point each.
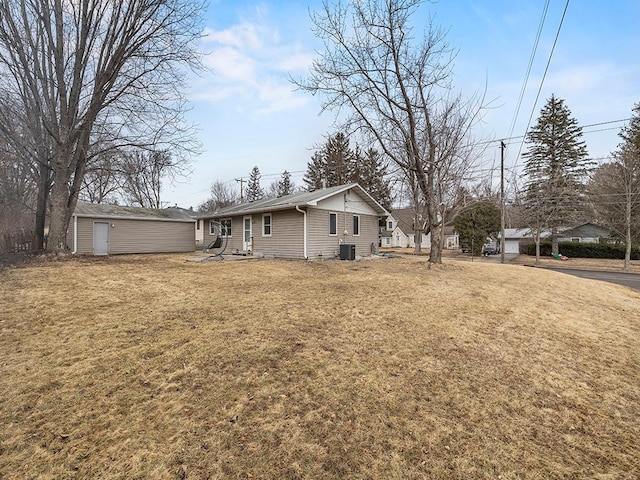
{"type": "Point", "coordinates": [58, 220]}
{"type": "Point", "coordinates": [436, 244]}
{"type": "Point", "coordinates": [61, 201]}
{"type": "Point", "coordinates": [538, 247]}
{"type": "Point", "coordinates": [44, 186]}
{"type": "Point", "coordinates": [435, 254]}
{"type": "Point", "coordinates": [554, 241]}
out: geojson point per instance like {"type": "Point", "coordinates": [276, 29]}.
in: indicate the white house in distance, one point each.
{"type": "Point", "coordinates": [399, 232]}
{"type": "Point", "coordinates": [400, 223]}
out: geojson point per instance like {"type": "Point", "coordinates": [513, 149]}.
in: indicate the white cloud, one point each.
{"type": "Point", "coordinates": [251, 63]}
{"type": "Point", "coordinates": [230, 65]}
{"type": "Point", "coordinates": [278, 97]}
{"type": "Point", "coordinates": [243, 36]}
{"type": "Point", "coordinates": [297, 62]}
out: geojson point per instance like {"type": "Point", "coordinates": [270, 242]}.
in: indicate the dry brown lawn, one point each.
{"type": "Point", "coordinates": [153, 367]}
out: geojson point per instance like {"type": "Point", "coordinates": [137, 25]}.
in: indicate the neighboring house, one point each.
{"type": "Point", "coordinates": [515, 237]}
{"type": "Point", "coordinates": [101, 229]}
{"type": "Point", "coordinates": [386, 239]}
{"type": "Point", "coordinates": [301, 225]}
{"type": "Point", "coordinates": [585, 233]}
{"type": "Point", "coordinates": [403, 233]}
{"type": "Point", "coordinates": [450, 238]}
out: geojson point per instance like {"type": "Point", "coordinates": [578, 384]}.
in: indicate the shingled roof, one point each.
{"type": "Point", "coordinates": [103, 210]}
{"type": "Point", "coordinates": [300, 199]}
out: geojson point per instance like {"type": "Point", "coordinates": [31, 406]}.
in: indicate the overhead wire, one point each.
{"type": "Point", "coordinates": [544, 76]}
{"type": "Point", "coordinates": [531, 59]}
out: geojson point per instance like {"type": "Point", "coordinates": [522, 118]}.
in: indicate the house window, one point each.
{"type": "Point", "coordinates": [333, 224]}
{"type": "Point", "coordinates": [197, 224]}
{"type": "Point", "coordinates": [390, 225]}
{"type": "Point", "coordinates": [266, 225]}
{"type": "Point", "coordinates": [356, 225]}
{"type": "Point", "coordinates": [212, 227]}
{"type": "Point", "coordinates": [575, 239]}
{"type": "Point", "coordinates": [225, 227]}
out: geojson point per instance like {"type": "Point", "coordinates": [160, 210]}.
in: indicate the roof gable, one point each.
{"type": "Point", "coordinates": [298, 199]}
{"type": "Point", "coordinates": [586, 230]}
{"type": "Point", "coordinates": [405, 219]}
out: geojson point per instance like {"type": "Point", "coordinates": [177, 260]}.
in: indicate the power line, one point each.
{"type": "Point", "coordinates": [526, 78]}
{"type": "Point", "coordinates": [544, 76]}
{"type": "Point", "coordinates": [516, 137]}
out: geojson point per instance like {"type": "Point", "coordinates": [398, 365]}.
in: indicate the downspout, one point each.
{"type": "Point", "coordinates": [304, 238]}
{"type": "Point", "coordinates": [75, 234]}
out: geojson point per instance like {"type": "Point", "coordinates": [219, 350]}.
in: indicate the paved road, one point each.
{"type": "Point", "coordinates": [627, 279]}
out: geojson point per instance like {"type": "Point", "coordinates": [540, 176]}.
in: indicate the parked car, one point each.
{"type": "Point", "coordinates": [491, 248]}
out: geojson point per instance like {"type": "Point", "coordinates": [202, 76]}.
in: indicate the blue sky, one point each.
{"type": "Point", "coordinates": [248, 113]}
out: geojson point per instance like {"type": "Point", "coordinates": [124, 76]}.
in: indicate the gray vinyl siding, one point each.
{"type": "Point", "coordinates": [321, 244]}
{"type": "Point", "coordinates": [287, 235]}
{"type": "Point", "coordinates": [137, 236]}
{"type": "Point", "coordinates": [85, 235]}
{"type": "Point", "coordinates": [232, 243]}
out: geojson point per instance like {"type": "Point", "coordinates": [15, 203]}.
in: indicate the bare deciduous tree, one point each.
{"type": "Point", "coordinates": [396, 90]}
{"type": "Point", "coordinates": [18, 190]}
{"type": "Point", "coordinates": [102, 182]}
{"type": "Point", "coordinates": [222, 195]}
{"type": "Point", "coordinates": [79, 67]}
{"type": "Point", "coordinates": [615, 188]}
{"type": "Point", "coordinates": [143, 174]}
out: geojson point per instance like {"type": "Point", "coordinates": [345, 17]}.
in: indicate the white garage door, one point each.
{"type": "Point", "coordinates": [511, 246]}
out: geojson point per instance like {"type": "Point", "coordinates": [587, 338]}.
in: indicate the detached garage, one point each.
{"type": "Point", "coordinates": [99, 229]}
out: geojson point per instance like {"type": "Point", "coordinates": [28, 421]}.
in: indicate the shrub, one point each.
{"type": "Point", "coordinates": [585, 250]}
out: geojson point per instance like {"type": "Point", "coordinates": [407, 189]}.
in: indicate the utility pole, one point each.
{"type": "Point", "coordinates": [502, 147]}
{"type": "Point", "coordinates": [241, 180]}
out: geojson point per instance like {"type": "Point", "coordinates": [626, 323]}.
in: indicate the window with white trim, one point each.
{"type": "Point", "coordinates": [333, 224]}
{"type": "Point", "coordinates": [266, 225]}
{"type": "Point", "coordinates": [225, 227]}
{"type": "Point", "coordinates": [212, 227]}
{"type": "Point", "coordinates": [356, 225]}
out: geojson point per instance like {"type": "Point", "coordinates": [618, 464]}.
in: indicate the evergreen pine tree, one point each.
{"type": "Point", "coordinates": [254, 190]}
{"type": "Point", "coordinates": [339, 160]}
{"type": "Point", "coordinates": [556, 167]}
{"type": "Point", "coordinates": [370, 171]}
{"type": "Point", "coordinates": [332, 165]}
{"type": "Point", "coordinates": [477, 222]}
{"type": "Point", "coordinates": [315, 175]}
{"type": "Point", "coordinates": [284, 185]}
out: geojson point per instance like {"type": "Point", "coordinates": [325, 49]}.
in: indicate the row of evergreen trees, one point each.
{"type": "Point", "coordinates": [334, 163]}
